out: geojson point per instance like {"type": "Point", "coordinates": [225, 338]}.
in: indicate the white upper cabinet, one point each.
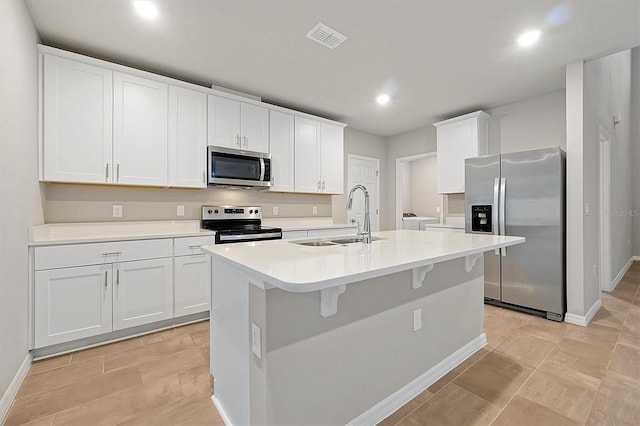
{"type": "Point", "coordinates": [459, 138]}
{"type": "Point", "coordinates": [319, 157]}
{"type": "Point", "coordinates": [281, 143]}
{"type": "Point", "coordinates": [307, 155]}
{"type": "Point", "coordinates": [139, 130]}
{"type": "Point", "coordinates": [238, 125]}
{"type": "Point", "coordinates": [332, 158]}
{"type": "Point", "coordinates": [187, 138]}
{"type": "Point", "coordinates": [77, 114]}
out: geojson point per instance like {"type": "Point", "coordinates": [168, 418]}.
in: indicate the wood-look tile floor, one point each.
{"type": "Point", "coordinates": [532, 372]}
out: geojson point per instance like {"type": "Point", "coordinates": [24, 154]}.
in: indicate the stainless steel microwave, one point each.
{"type": "Point", "coordinates": [238, 168]}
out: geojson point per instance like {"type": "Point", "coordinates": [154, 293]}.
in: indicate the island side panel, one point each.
{"type": "Point", "coordinates": [229, 344]}
{"type": "Point", "coordinates": [330, 370]}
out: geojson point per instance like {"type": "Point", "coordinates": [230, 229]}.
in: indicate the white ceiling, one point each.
{"type": "Point", "coordinates": [436, 58]}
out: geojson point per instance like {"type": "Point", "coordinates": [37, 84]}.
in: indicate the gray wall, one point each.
{"type": "Point", "coordinates": [366, 144]}
{"type": "Point", "coordinates": [635, 146]}
{"type": "Point", "coordinates": [19, 190]}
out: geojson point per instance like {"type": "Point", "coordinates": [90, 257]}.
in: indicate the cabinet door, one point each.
{"type": "Point", "coordinates": [139, 130]}
{"type": "Point", "coordinates": [224, 122]}
{"type": "Point", "coordinates": [187, 138]}
{"type": "Point", "coordinates": [254, 122]}
{"type": "Point", "coordinates": [192, 284]}
{"type": "Point", "coordinates": [77, 118]}
{"type": "Point", "coordinates": [456, 142]}
{"type": "Point", "coordinates": [72, 303]}
{"type": "Point", "coordinates": [332, 159]}
{"type": "Point", "coordinates": [281, 143]}
{"type": "Point", "coordinates": [142, 292]}
{"type": "Point", "coordinates": [307, 155]}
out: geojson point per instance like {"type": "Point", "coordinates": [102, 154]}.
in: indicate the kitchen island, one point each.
{"type": "Point", "coordinates": [342, 333]}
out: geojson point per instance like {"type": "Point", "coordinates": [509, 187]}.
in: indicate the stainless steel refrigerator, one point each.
{"type": "Point", "coordinates": [521, 194]}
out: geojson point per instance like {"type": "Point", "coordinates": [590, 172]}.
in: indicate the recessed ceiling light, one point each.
{"type": "Point", "coordinates": [146, 9]}
{"type": "Point", "coordinates": [528, 38]}
{"type": "Point", "coordinates": [382, 99]}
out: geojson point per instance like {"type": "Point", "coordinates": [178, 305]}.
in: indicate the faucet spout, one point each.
{"type": "Point", "coordinates": [366, 232]}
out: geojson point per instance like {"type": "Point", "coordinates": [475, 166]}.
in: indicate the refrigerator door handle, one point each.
{"type": "Point", "coordinates": [503, 218]}
{"type": "Point", "coordinates": [494, 214]}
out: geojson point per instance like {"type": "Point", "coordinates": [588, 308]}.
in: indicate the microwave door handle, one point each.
{"type": "Point", "coordinates": [262, 169]}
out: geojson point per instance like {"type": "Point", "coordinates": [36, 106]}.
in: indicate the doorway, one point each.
{"type": "Point", "coordinates": [364, 171]}
{"type": "Point", "coordinates": [403, 191]}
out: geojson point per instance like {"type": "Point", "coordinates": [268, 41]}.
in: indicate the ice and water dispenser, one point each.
{"type": "Point", "coordinates": [481, 218]}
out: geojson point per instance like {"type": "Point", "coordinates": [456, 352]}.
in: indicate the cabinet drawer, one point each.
{"type": "Point", "coordinates": [101, 253]}
{"type": "Point", "coordinates": [186, 246]}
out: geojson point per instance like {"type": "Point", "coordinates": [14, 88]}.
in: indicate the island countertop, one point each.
{"type": "Point", "coordinates": [297, 268]}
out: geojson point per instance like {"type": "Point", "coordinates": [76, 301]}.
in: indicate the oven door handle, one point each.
{"type": "Point", "coordinates": [261, 236]}
{"type": "Point", "coordinates": [262, 169]}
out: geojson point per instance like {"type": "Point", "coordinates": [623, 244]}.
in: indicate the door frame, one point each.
{"type": "Point", "coordinates": [375, 207]}
{"type": "Point", "coordinates": [604, 199]}
{"type": "Point", "coordinates": [401, 163]}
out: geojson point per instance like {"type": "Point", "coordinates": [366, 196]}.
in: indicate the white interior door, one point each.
{"type": "Point", "coordinates": [364, 171]}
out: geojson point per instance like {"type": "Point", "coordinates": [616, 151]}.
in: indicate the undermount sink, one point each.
{"type": "Point", "coordinates": [340, 241]}
{"type": "Point", "coordinates": [351, 240]}
{"type": "Point", "coordinates": [314, 243]}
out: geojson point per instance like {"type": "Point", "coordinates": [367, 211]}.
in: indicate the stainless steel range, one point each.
{"type": "Point", "coordinates": [235, 224]}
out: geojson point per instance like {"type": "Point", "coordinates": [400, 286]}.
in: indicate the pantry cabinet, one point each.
{"type": "Point", "coordinates": [319, 156]}
{"type": "Point", "coordinates": [187, 138]}
{"type": "Point", "coordinates": [457, 139]}
{"type": "Point", "coordinates": [238, 125]}
{"type": "Point", "coordinates": [77, 104]}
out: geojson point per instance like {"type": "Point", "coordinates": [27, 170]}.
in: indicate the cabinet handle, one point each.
{"type": "Point", "coordinates": [118, 277]}
{"type": "Point", "coordinates": [107, 173]}
{"type": "Point", "coordinates": [238, 141]}
{"type": "Point", "coordinates": [118, 172]}
{"type": "Point", "coordinates": [105, 279]}
{"type": "Point", "coordinates": [246, 142]}
{"type": "Point", "coordinates": [195, 246]}
{"type": "Point", "coordinates": [323, 185]}
{"type": "Point", "coordinates": [113, 253]}
{"type": "Point", "coordinates": [318, 185]}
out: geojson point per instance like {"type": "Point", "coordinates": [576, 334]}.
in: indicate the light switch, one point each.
{"type": "Point", "coordinates": [256, 343]}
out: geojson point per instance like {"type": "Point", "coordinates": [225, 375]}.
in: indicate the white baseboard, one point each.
{"type": "Point", "coordinates": [635, 258]}
{"type": "Point", "coordinates": [223, 414]}
{"type": "Point", "coordinates": [12, 390]}
{"type": "Point", "coordinates": [393, 402]}
{"type": "Point", "coordinates": [612, 285]}
{"type": "Point", "coordinates": [586, 319]}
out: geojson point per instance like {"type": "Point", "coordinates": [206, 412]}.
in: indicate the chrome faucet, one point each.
{"type": "Point", "coordinates": [366, 232]}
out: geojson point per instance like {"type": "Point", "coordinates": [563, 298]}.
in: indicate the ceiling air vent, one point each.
{"type": "Point", "coordinates": [326, 36]}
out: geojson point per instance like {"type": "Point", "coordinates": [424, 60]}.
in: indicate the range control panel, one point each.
{"type": "Point", "coordinates": [231, 212]}
{"type": "Point", "coordinates": [481, 218]}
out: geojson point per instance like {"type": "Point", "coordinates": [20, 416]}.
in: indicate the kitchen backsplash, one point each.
{"type": "Point", "coordinates": [89, 203]}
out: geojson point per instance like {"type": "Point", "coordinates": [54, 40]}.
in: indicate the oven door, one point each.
{"type": "Point", "coordinates": [232, 167]}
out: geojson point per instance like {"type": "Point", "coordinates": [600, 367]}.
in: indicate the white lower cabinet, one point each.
{"type": "Point", "coordinates": [72, 303]}
{"type": "Point", "coordinates": [142, 292]}
{"type": "Point", "coordinates": [192, 284]}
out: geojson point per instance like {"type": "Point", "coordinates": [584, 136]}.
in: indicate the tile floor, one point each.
{"type": "Point", "coordinates": [532, 372]}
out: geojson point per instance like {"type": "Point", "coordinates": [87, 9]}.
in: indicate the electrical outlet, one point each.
{"type": "Point", "coordinates": [595, 271]}
{"type": "Point", "coordinates": [628, 243]}
{"type": "Point", "coordinates": [117, 210]}
{"type": "Point", "coordinates": [256, 343]}
{"type": "Point", "coordinates": [417, 319]}
{"type": "Point", "coordinates": [438, 209]}
{"type": "Point", "coordinates": [587, 210]}
{"type": "Point", "coordinates": [275, 211]}
{"type": "Point", "coordinates": [315, 210]}
{"type": "Point", "coordinates": [179, 210]}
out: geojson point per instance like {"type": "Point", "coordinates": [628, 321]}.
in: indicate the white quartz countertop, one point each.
{"type": "Point", "coordinates": [298, 268]}
{"type": "Point", "coordinates": [72, 233]}
{"type": "Point", "coordinates": [300, 224]}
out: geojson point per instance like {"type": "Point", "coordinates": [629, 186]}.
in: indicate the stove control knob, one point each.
{"type": "Point", "coordinates": [211, 211]}
{"type": "Point", "coordinates": [256, 211]}
{"type": "Point", "coordinates": [215, 212]}
{"type": "Point", "coordinates": [250, 211]}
